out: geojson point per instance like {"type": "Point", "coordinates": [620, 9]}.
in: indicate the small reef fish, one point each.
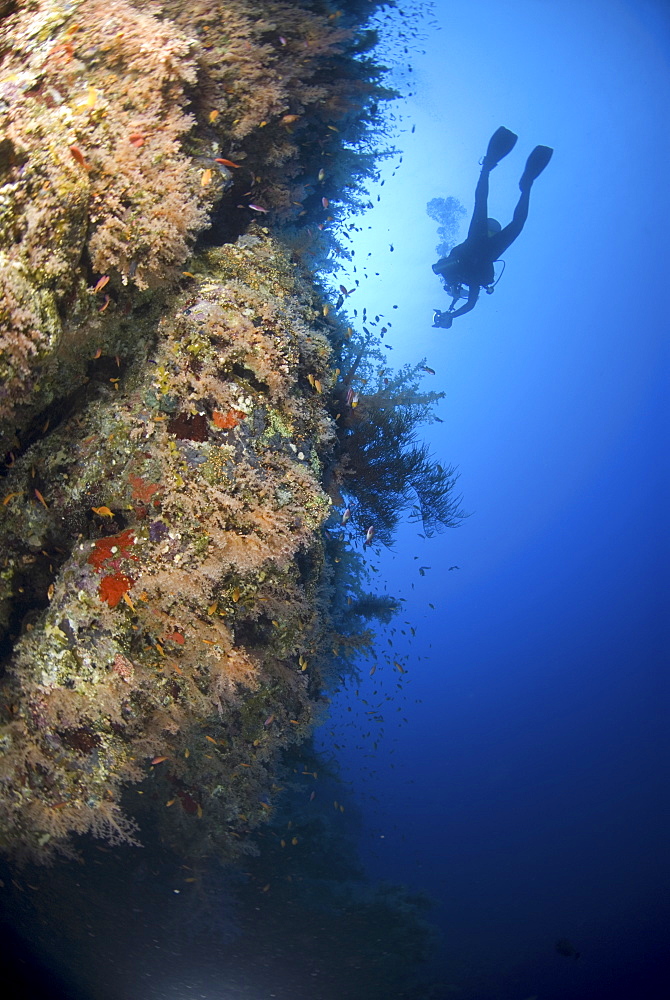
{"type": "Point", "coordinates": [369, 535]}
{"type": "Point", "coordinates": [79, 157]}
{"type": "Point", "coordinates": [258, 208]}
{"type": "Point", "coordinates": [346, 515]}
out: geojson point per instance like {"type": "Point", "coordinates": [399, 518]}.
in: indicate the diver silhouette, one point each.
{"type": "Point", "coordinates": [471, 263]}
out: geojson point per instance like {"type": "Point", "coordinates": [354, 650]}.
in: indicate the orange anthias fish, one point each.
{"type": "Point", "coordinates": [103, 511]}
{"type": "Point", "coordinates": [79, 157]}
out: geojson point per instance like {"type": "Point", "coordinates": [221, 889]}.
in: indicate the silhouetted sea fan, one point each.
{"type": "Point", "coordinates": [388, 473]}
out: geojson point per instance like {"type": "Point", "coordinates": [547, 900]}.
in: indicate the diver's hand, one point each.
{"type": "Point", "coordinates": [442, 320]}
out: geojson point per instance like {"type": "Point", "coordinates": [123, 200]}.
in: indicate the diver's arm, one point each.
{"type": "Point", "coordinates": [473, 295]}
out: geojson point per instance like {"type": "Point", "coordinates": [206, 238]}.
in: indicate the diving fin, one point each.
{"type": "Point", "coordinates": [535, 164]}
{"type": "Point", "coordinates": [500, 144]}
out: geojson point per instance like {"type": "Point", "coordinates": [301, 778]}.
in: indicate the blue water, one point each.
{"type": "Point", "coordinates": [527, 790]}
{"type": "Point", "coordinates": [516, 772]}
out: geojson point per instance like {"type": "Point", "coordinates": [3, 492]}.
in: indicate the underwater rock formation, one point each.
{"type": "Point", "coordinates": [94, 183]}
{"type": "Point", "coordinates": [166, 589]}
{"type": "Point", "coordinates": [122, 127]}
{"type": "Point", "coordinates": [177, 517]}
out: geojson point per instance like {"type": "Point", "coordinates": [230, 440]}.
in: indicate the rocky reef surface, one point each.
{"type": "Point", "coordinates": [172, 525]}
{"type": "Point", "coordinates": [168, 406]}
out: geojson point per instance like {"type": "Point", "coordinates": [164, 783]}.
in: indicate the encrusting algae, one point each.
{"type": "Point", "coordinates": [168, 412]}
{"type": "Point", "coordinates": [182, 495]}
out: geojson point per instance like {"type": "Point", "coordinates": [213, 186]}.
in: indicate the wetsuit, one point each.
{"type": "Point", "coordinates": [471, 262]}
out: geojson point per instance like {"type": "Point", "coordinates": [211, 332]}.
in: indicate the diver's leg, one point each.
{"type": "Point", "coordinates": [500, 144]}
{"type": "Point", "coordinates": [478, 228]}
{"type": "Point", "coordinates": [502, 240]}
{"type": "Point", "coordinates": [535, 164]}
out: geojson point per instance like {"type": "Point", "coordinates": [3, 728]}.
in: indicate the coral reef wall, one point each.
{"type": "Point", "coordinates": [180, 623]}
{"type": "Point", "coordinates": [164, 408]}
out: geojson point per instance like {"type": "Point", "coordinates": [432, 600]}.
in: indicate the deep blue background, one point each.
{"type": "Point", "coordinates": [519, 775]}
{"type": "Point", "coordinates": [527, 790]}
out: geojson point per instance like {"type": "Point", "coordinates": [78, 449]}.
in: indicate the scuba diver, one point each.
{"type": "Point", "coordinates": [471, 263]}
